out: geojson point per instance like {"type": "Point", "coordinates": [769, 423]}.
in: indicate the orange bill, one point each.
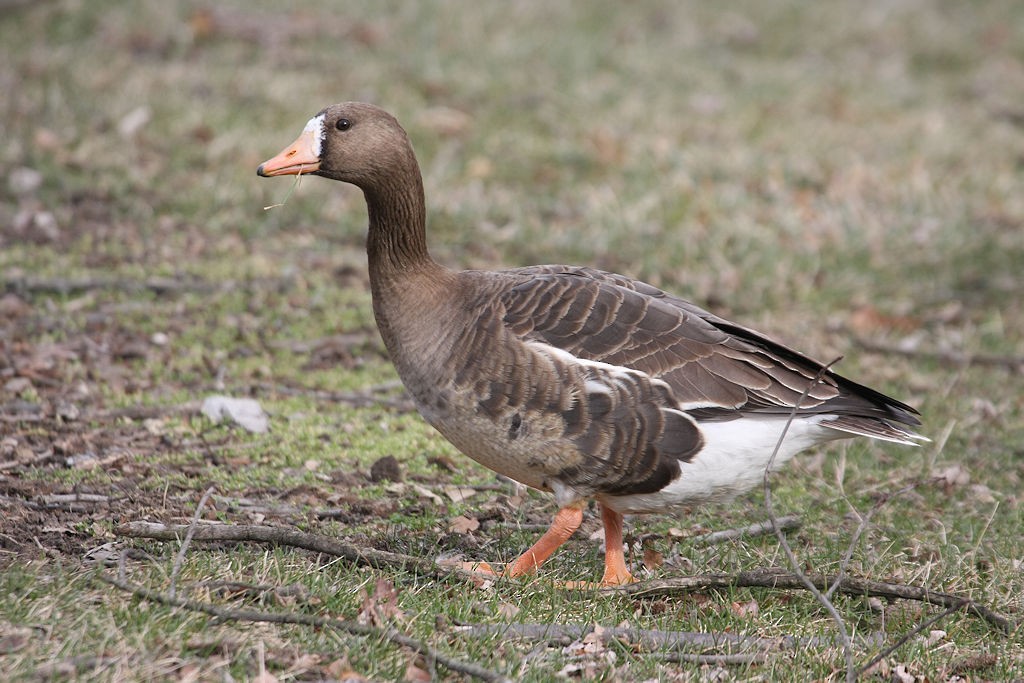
{"type": "Point", "coordinates": [302, 156]}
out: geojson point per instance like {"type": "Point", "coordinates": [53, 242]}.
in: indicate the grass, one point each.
{"type": "Point", "coordinates": [821, 172]}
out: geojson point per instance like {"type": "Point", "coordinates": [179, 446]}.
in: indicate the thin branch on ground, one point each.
{"type": "Point", "coordinates": [72, 502]}
{"type": "Point", "coordinates": [762, 578]}
{"type": "Point", "coordinates": [862, 526]}
{"type": "Point", "coordinates": [787, 523]}
{"type": "Point", "coordinates": [289, 590]}
{"type": "Point", "coordinates": [653, 639]}
{"type": "Point", "coordinates": [389, 634]}
{"type": "Point", "coordinates": [794, 563]}
{"type": "Point", "coordinates": [905, 638]}
{"type": "Point", "coordinates": [179, 559]}
{"type": "Point", "coordinates": [379, 559]}
{"type": "Point", "coordinates": [70, 668]}
{"type": "Point", "coordinates": [714, 660]}
{"type": "Point", "coordinates": [780, 579]}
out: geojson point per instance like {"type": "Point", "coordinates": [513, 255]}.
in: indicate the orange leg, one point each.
{"type": "Point", "coordinates": [615, 572]}
{"type": "Point", "coordinates": [566, 521]}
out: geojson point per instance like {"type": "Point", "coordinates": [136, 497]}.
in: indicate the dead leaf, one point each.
{"type": "Point", "coordinates": [415, 673]}
{"type": "Point", "coordinates": [481, 573]}
{"type": "Point", "coordinates": [594, 657]}
{"type": "Point", "coordinates": [304, 663]}
{"type": "Point", "coordinates": [745, 610]}
{"type": "Point", "coordinates": [381, 607]}
{"type": "Point", "coordinates": [341, 671]}
{"type": "Point", "coordinates": [869, 320]}
{"type": "Point", "coordinates": [507, 610]}
{"type": "Point", "coordinates": [463, 524]}
{"type": "Point", "coordinates": [594, 641]}
{"type": "Point", "coordinates": [953, 476]}
{"type": "Point", "coordinates": [190, 673]}
{"type": "Point", "coordinates": [442, 462]}
{"type": "Point", "coordinates": [459, 493]}
{"type": "Point", "coordinates": [572, 670]}
{"type": "Point", "coordinates": [424, 492]}
{"type": "Point", "coordinates": [901, 674]}
{"type": "Point", "coordinates": [13, 638]}
{"type": "Point", "coordinates": [396, 489]}
{"type": "Point", "coordinates": [12, 306]}
{"type": "Point", "coordinates": [652, 558]}
{"type": "Point", "coordinates": [881, 670]}
{"type": "Point", "coordinates": [590, 644]}
{"type": "Point", "coordinates": [982, 494]}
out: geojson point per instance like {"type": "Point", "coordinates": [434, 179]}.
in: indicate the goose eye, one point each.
{"type": "Point", "coordinates": [343, 124]}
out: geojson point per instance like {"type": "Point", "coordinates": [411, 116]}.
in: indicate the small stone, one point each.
{"type": "Point", "coordinates": [134, 121]}
{"type": "Point", "coordinates": [67, 412]}
{"type": "Point", "coordinates": [245, 412]}
{"type": "Point", "coordinates": [23, 180]}
{"type": "Point", "coordinates": [44, 225]}
{"type": "Point", "coordinates": [18, 385]}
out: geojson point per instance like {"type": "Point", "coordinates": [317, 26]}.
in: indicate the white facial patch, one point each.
{"type": "Point", "coordinates": [316, 126]}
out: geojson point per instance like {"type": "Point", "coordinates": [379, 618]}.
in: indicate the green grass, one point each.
{"type": "Point", "coordinates": [819, 171]}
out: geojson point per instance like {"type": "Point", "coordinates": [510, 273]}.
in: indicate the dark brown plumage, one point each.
{"type": "Point", "coordinates": [572, 380]}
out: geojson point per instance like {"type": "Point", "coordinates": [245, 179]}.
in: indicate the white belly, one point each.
{"type": "Point", "coordinates": [732, 462]}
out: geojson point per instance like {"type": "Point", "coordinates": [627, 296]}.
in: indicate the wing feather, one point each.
{"type": "Point", "coordinates": [714, 368]}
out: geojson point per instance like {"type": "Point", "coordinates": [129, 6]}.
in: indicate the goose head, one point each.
{"type": "Point", "coordinates": [353, 142]}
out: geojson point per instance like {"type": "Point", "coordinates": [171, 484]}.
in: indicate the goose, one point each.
{"type": "Point", "coordinates": [586, 384]}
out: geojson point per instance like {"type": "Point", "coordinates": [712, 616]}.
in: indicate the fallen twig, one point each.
{"type": "Point", "coordinates": [180, 557]}
{"type": "Point", "coordinates": [714, 660]}
{"type": "Point", "coordinates": [378, 559]}
{"type": "Point", "coordinates": [862, 526]}
{"type": "Point", "coordinates": [788, 523]}
{"type": "Point", "coordinates": [848, 585]}
{"type": "Point", "coordinates": [761, 578]}
{"type": "Point", "coordinates": [71, 667]}
{"type": "Point", "coordinates": [826, 602]}
{"type": "Point", "coordinates": [389, 634]}
{"type": "Point", "coordinates": [71, 502]}
{"type": "Point", "coordinates": [653, 639]}
{"type": "Point", "coordinates": [906, 638]}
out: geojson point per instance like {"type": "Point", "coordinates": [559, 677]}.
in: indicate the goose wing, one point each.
{"type": "Point", "coordinates": [716, 370]}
